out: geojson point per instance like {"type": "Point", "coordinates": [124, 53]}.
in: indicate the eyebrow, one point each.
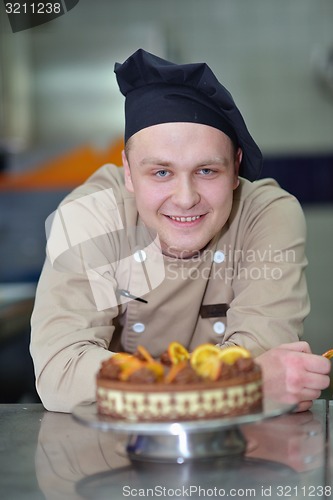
{"type": "Point", "coordinates": [154, 161]}
{"type": "Point", "coordinates": [216, 160]}
{"type": "Point", "coordinates": [163, 163]}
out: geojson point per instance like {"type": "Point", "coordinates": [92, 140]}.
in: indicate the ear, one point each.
{"type": "Point", "coordinates": [127, 171]}
{"type": "Point", "coordinates": [238, 160]}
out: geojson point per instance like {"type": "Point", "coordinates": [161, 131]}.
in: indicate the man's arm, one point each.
{"type": "Point", "coordinates": [69, 339]}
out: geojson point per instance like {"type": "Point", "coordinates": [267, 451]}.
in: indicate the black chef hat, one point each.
{"type": "Point", "coordinates": [159, 91]}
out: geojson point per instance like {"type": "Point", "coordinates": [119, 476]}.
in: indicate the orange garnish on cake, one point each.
{"type": "Point", "coordinates": [211, 368]}
{"type": "Point", "coordinates": [328, 354]}
{"type": "Point", "coordinates": [145, 354]}
{"type": "Point", "coordinates": [120, 357]}
{"type": "Point", "coordinates": [230, 354]}
{"type": "Point", "coordinates": [174, 371]}
{"type": "Point", "coordinates": [177, 353]}
{"type": "Point", "coordinates": [127, 368]}
{"type": "Point", "coordinates": [202, 353]}
{"type": "Point", "coordinates": [156, 368]}
{"type": "Point", "coordinates": [205, 361]}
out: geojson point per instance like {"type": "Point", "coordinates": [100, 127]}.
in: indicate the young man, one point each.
{"type": "Point", "coordinates": [179, 244]}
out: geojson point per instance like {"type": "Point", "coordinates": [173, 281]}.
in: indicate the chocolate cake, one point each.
{"type": "Point", "coordinates": [209, 383]}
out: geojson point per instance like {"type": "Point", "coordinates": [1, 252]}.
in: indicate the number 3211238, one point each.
{"type": "Point", "coordinates": [33, 8]}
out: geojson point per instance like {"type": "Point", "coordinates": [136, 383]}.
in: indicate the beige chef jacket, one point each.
{"type": "Point", "coordinates": [247, 287]}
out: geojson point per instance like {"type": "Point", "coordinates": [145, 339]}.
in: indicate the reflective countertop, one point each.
{"type": "Point", "coordinates": [52, 456]}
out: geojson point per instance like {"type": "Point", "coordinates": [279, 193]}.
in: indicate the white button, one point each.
{"type": "Point", "coordinates": [138, 327]}
{"type": "Point", "coordinates": [219, 327]}
{"type": "Point", "coordinates": [219, 257]}
{"type": "Point", "coordinates": [140, 256]}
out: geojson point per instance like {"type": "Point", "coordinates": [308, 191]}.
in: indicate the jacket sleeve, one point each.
{"type": "Point", "coordinates": [72, 323]}
{"type": "Point", "coordinates": [270, 292]}
{"type": "Point", "coordinates": [69, 339]}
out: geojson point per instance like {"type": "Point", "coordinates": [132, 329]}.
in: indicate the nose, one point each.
{"type": "Point", "coordinates": [186, 195]}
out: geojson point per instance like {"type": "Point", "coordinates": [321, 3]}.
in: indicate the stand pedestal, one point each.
{"type": "Point", "coordinates": [186, 446]}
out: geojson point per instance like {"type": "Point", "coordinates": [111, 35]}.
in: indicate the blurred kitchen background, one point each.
{"type": "Point", "coordinates": [61, 117]}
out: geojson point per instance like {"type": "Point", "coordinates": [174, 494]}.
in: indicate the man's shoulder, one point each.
{"type": "Point", "coordinates": [107, 177]}
{"type": "Point", "coordinates": [263, 190]}
{"type": "Point", "coordinates": [265, 202]}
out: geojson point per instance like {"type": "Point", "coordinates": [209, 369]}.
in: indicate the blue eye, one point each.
{"type": "Point", "coordinates": [162, 173]}
{"type": "Point", "coordinates": [205, 171]}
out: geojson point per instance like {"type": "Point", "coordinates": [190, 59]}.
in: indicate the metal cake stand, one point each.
{"type": "Point", "coordinates": [180, 441]}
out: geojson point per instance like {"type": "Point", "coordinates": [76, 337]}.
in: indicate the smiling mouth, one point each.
{"type": "Point", "coordinates": [185, 219]}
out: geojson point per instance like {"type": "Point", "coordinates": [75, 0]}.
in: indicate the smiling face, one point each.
{"type": "Point", "coordinates": [183, 176]}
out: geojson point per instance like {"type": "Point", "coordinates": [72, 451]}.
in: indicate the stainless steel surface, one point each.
{"type": "Point", "coordinates": [47, 455]}
{"type": "Point", "coordinates": [181, 441]}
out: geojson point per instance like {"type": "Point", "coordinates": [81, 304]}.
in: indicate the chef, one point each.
{"type": "Point", "coordinates": [180, 243]}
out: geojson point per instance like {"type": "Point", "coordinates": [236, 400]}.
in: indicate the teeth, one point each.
{"type": "Point", "coordinates": [185, 219]}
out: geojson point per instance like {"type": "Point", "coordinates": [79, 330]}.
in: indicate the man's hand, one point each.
{"type": "Point", "coordinates": [292, 374]}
